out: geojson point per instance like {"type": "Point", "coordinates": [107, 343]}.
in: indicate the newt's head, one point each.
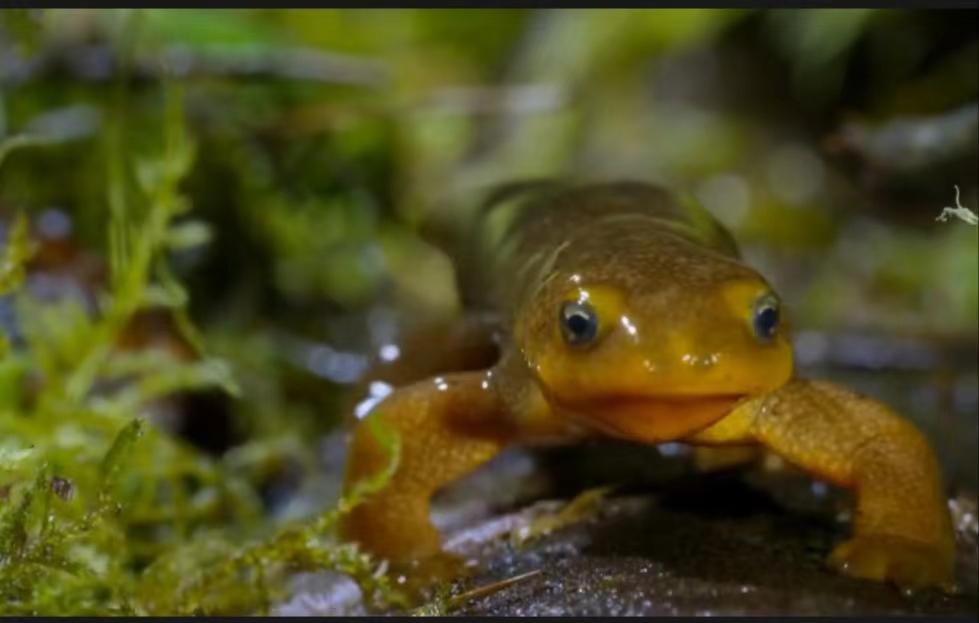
{"type": "Point", "coordinates": [649, 336]}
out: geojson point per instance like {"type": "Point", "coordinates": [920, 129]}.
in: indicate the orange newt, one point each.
{"type": "Point", "coordinates": [625, 311]}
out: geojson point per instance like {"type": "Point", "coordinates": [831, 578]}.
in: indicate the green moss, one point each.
{"type": "Point", "coordinates": [98, 508]}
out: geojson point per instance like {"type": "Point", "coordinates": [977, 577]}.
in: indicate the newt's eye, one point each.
{"type": "Point", "coordinates": [765, 322]}
{"type": "Point", "coordinates": [579, 323]}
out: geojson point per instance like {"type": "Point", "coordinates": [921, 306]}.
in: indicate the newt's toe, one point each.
{"type": "Point", "coordinates": [905, 562]}
{"type": "Point", "coordinates": [420, 577]}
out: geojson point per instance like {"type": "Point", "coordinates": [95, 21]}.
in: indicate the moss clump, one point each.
{"type": "Point", "coordinates": [99, 509]}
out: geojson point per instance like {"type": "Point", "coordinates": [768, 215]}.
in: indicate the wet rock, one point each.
{"type": "Point", "coordinates": [672, 541]}
{"type": "Point", "coordinates": [727, 543]}
{"type": "Point", "coordinates": [670, 555]}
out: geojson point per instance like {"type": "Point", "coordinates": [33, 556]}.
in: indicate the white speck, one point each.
{"type": "Point", "coordinates": [390, 352]}
{"type": "Point", "coordinates": [364, 407]}
{"type": "Point", "coordinates": [377, 391]}
{"type": "Point", "coordinates": [380, 389]}
{"type": "Point", "coordinates": [629, 327]}
{"type": "Point", "coordinates": [959, 210]}
{"type": "Point", "coordinates": [440, 384]}
{"type": "Point", "coordinates": [486, 379]}
{"type": "Point", "coordinates": [706, 361]}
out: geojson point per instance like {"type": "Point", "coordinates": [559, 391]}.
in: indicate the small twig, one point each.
{"type": "Point", "coordinates": [959, 210]}
{"type": "Point", "coordinates": [489, 589]}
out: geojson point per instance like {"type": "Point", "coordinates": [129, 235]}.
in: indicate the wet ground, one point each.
{"type": "Point", "coordinates": [717, 548]}
{"type": "Point", "coordinates": [723, 543]}
{"type": "Point", "coordinates": [668, 540]}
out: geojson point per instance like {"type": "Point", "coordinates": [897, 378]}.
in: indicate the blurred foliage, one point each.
{"type": "Point", "coordinates": [90, 525]}
{"type": "Point", "coordinates": [314, 147]}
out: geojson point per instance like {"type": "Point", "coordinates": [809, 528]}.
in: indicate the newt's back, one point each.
{"type": "Point", "coordinates": [524, 231]}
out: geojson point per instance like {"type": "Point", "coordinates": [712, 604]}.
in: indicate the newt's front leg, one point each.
{"type": "Point", "coordinates": [902, 530]}
{"type": "Point", "coordinates": [448, 426]}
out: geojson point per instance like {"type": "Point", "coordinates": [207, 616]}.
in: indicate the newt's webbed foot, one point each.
{"type": "Point", "coordinates": [902, 529]}
{"type": "Point", "coordinates": [905, 562]}
{"type": "Point", "coordinates": [419, 579]}
{"type": "Point", "coordinates": [447, 427]}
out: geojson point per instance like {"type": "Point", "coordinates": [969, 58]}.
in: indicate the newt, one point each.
{"type": "Point", "coordinates": [625, 311]}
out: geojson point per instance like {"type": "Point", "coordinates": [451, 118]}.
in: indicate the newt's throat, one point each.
{"type": "Point", "coordinates": [653, 420]}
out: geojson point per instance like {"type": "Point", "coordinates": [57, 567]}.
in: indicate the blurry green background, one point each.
{"type": "Point", "coordinates": [294, 155]}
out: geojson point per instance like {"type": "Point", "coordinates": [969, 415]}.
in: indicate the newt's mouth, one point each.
{"type": "Point", "coordinates": [653, 419]}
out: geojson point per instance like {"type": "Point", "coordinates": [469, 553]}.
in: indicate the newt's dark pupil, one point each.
{"type": "Point", "coordinates": [579, 323]}
{"type": "Point", "coordinates": [766, 319]}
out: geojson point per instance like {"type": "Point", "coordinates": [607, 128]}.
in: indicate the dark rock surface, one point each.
{"type": "Point", "coordinates": [721, 549]}
{"type": "Point", "coordinates": [727, 543]}
{"type": "Point", "coordinates": [671, 541]}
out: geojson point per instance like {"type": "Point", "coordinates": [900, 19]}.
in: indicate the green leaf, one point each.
{"type": "Point", "coordinates": [115, 458]}
{"type": "Point", "coordinates": [17, 251]}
